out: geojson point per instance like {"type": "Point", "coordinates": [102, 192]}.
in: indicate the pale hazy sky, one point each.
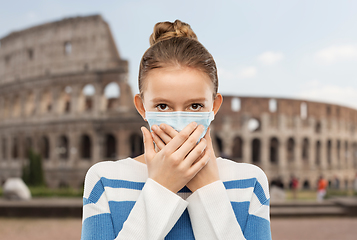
{"type": "Point", "coordinates": [270, 48]}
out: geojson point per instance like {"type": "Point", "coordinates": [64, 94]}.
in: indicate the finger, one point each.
{"type": "Point", "coordinates": [197, 153]}
{"type": "Point", "coordinates": [181, 137]}
{"type": "Point", "coordinates": [159, 143]}
{"type": "Point", "coordinates": [148, 144]}
{"type": "Point", "coordinates": [196, 167]}
{"type": "Point", "coordinates": [208, 138]}
{"type": "Point", "coordinates": [191, 142]}
{"type": "Point", "coordinates": [168, 130]}
{"type": "Point", "coordinates": [161, 134]}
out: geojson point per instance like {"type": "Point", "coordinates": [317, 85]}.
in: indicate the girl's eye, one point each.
{"type": "Point", "coordinates": [162, 107]}
{"type": "Point", "coordinates": [196, 107]}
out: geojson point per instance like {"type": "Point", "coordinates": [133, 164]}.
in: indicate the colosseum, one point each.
{"type": "Point", "coordinates": [64, 92]}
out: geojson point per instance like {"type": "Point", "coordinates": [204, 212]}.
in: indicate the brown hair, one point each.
{"type": "Point", "coordinates": [176, 44]}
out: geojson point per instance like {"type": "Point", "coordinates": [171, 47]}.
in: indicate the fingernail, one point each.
{"type": "Point", "coordinates": [195, 124]}
{"type": "Point", "coordinates": [162, 126]}
{"type": "Point", "coordinates": [154, 128]}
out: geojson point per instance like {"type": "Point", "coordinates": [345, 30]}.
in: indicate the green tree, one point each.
{"type": "Point", "coordinates": [32, 172]}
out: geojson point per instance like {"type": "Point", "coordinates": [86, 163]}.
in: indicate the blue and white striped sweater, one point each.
{"type": "Point", "coordinates": [235, 208]}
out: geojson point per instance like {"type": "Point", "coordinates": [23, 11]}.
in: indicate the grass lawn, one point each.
{"type": "Point", "coordinates": [308, 195]}
{"type": "Point", "coordinates": [49, 192]}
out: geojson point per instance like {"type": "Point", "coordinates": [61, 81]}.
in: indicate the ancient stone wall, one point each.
{"type": "Point", "coordinates": [289, 137]}
{"type": "Point", "coordinates": [64, 92]}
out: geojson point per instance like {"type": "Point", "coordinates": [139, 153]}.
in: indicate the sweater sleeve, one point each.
{"type": "Point", "coordinates": [155, 212]}
{"type": "Point", "coordinates": [211, 214]}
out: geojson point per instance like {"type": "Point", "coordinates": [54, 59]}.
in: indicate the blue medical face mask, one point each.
{"type": "Point", "coordinates": [179, 120]}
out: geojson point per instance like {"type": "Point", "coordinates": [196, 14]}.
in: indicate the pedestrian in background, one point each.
{"type": "Point", "coordinates": [321, 189]}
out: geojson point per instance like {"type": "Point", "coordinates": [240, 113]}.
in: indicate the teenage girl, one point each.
{"type": "Point", "coordinates": [177, 189]}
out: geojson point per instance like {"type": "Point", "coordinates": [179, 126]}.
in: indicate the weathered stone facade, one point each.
{"type": "Point", "coordinates": [53, 80]}
{"type": "Point", "coordinates": [288, 137]}
{"type": "Point", "coordinates": [54, 83]}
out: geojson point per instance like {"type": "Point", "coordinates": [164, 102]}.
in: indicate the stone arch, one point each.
{"type": "Point", "coordinates": [63, 184]}
{"type": "Point", "coordinates": [318, 127]}
{"type": "Point", "coordinates": [6, 108]}
{"type": "Point", "coordinates": [28, 146]}
{"type": "Point", "coordinates": [110, 146]}
{"type": "Point", "coordinates": [111, 96]}
{"type": "Point", "coordinates": [305, 150]}
{"type": "Point", "coordinates": [274, 150]}
{"type": "Point", "coordinates": [237, 150]}
{"type": "Point", "coordinates": [328, 151]}
{"type": "Point", "coordinates": [346, 152]}
{"type": "Point", "coordinates": [290, 147]}
{"type": "Point", "coordinates": [306, 185]}
{"type": "Point", "coordinates": [136, 145]}
{"type": "Point", "coordinates": [45, 147]}
{"type": "Point", "coordinates": [254, 125]}
{"type": "Point", "coordinates": [235, 104]}
{"type": "Point", "coordinates": [15, 148]}
{"type": "Point", "coordinates": [67, 47]}
{"type": "Point", "coordinates": [65, 100]}
{"type": "Point", "coordinates": [256, 150]}
{"type": "Point", "coordinates": [318, 153]}
{"type": "Point", "coordinates": [273, 105]}
{"type": "Point", "coordinates": [86, 99]}
{"type": "Point", "coordinates": [63, 147]}
{"type": "Point", "coordinates": [303, 110]}
{"type": "Point", "coordinates": [46, 101]}
{"type": "Point", "coordinates": [86, 147]}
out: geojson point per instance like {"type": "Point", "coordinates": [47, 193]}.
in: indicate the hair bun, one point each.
{"type": "Point", "coordinates": [166, 30]}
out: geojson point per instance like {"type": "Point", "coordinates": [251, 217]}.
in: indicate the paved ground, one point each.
{"type": "Point", "coordinates": [282, 229]}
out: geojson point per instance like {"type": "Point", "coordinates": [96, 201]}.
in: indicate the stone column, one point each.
{"type": "Point", "coordinates": [333, 154]}
{"type": "Point", "coordinates": [323, 155]}
{"type": "Point", "coordinates": [2, 109]}
{"type": "Point", "coordinates": [312, 154]}
{"type": "Point", "coordinates": [123, 142]}
{"type": "Point", "coordinates": [98, 99]}
{"type": "Point", "coordinates": [297, 153]}
{"type": "Point", "coordinates": [37, 102]}
{"type": "Point", "coordinates": [247, 149]}
{"type": "Point", "coordinates": [75, 94]}
{"type": "Point", "coordinates": [282, 154]}
{"type": "Point", "coordinates": [73, 148]}
{"type": "Point", "coordinates": [265, 153]}
{"type": "Point", "coordinates": [8, 146]}
{"type": "Point", "coordinates": [98, 144]}
{"type": "Point", "coordinates": [227, 139]}
{"type": "Point", "coordinates": [56, 93]}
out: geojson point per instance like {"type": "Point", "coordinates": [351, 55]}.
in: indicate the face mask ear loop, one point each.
{"type": "Point", "coordinates": [211, 115]}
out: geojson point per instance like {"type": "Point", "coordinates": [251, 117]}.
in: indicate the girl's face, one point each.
{"type": "Point", "coordinates": [177, 89]}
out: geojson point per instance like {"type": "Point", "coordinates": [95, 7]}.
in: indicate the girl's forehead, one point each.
{"type": "Point", "coordinates": [176, 82]}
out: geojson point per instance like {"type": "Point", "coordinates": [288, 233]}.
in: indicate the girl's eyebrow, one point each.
{"type": "Point", "coordinates": [158, 99]}
{"type": "Point", "coordinates": [195, 100]}
{"type": "Point", "coordinates": [192, 100]}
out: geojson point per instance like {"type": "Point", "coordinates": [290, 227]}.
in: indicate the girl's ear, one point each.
{"type": "Point", "coordinates": [139, 105]}
{"type": "Point", "coordinates": [217, 103]}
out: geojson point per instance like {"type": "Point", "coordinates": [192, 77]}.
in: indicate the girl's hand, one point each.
{"type": "Point", "coordinates": [164, 134]}
{"type": "Point", "coordinates": [176, 162]}
{"type": "Point", "coordinates": [209, 173]}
